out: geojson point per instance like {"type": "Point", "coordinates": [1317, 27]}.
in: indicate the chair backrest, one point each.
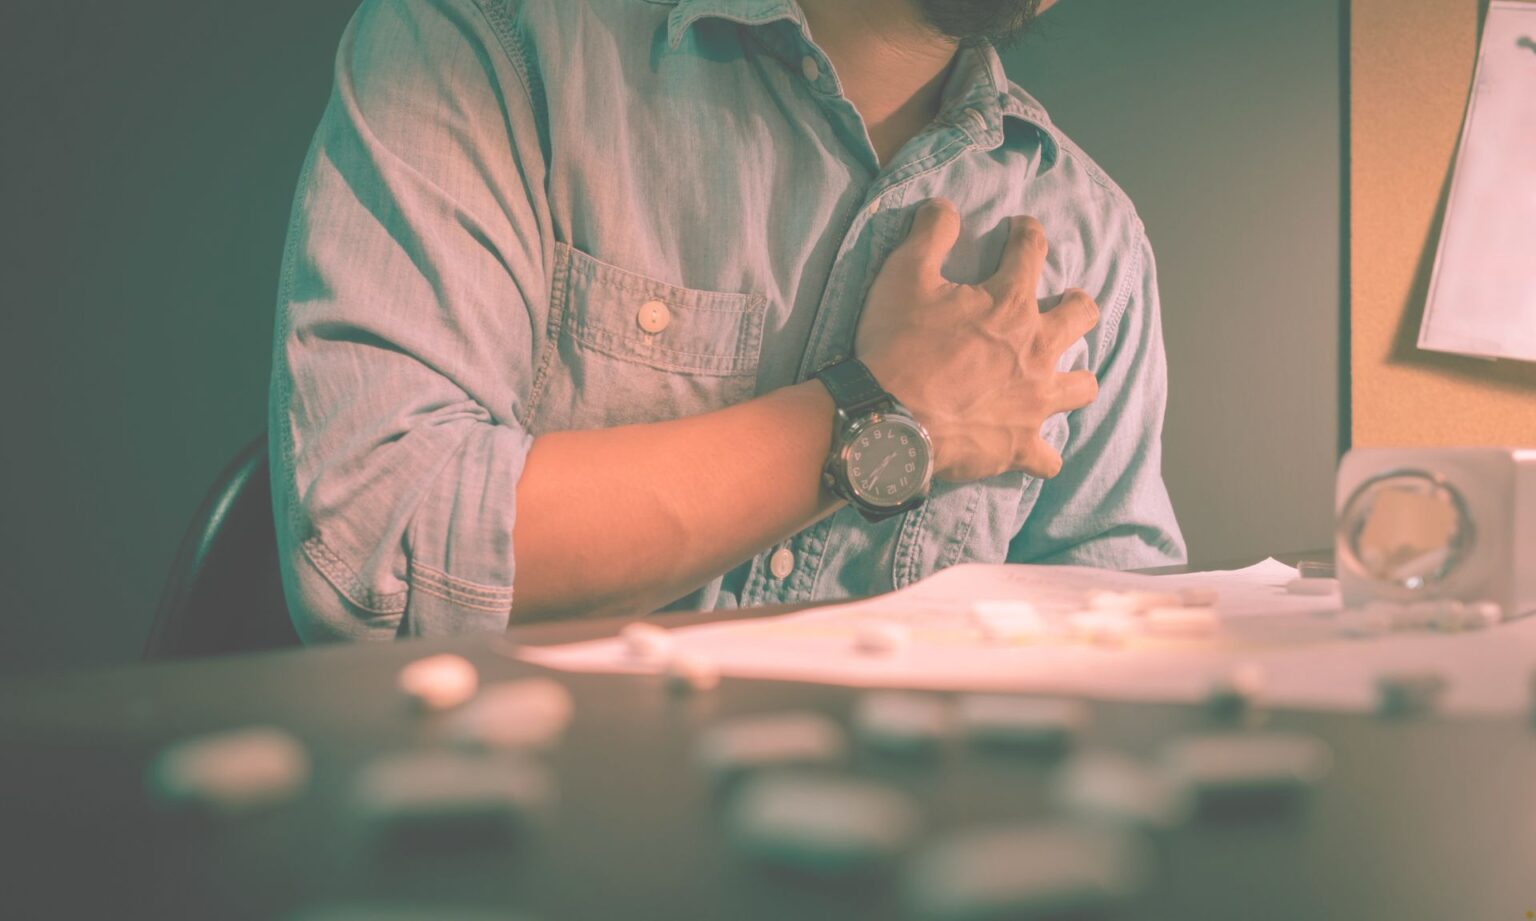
{"type": "Point", "coordinates": [225, 592]}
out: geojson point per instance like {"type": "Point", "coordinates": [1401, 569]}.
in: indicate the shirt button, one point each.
{"type": "Point", "coordinates": [978, 121]}
{"type": "Point", "coordinates": [782, 563]}
{"type": "Point", "coordinates": [654, 316]}
{"type": "Point", "coordinates": [810, 68]}
{"type": "Point", "coordinates": [874, 207]}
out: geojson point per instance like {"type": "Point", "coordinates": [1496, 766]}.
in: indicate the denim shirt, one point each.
{"type": "Point", "coordinates": [496, 190]}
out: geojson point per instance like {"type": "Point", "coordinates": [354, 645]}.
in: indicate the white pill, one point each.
{"type": "Point", "coordinates": [1408, 692]}
{"type": "Point", "coordinates": [1123, 602]}
{"type": "Point", "coordinates": [1237, 692]}
{"type": "Point", "coordinates": [1194, 597]}
{"type": "Point", "coordinates": [231, 772]}
{"type": "Point", "coordinates": [1120, 789]}
{"type": "Point", "coordinates": [1129, 602]}
{"type": "Point", "coordinates": [821, 824]}
{"type": "Point", "coordinates": [901, 721]}
{"type": "Point", "coordinates": [646, 643]}
{"type": "Point", "coordinates": [1105, 628]}
{"type": "Point", "coordinates": [881, 638]}
{"type": "Point", "coordinates": [1226, 768]}
{"type": "Point", "coordinates": [688, 673]}
{"type": "Point", "coordinates": [1006, 621]}
{"type": "Point", "coordinates": [1031, 722]}
{"type": "Point", "coordinates": [438, 682]}
{"type": "Point", "coordinates": [435, 792]}
{"type": "Point", "coordinates": [1483, 614]}
{"type": "Point", "coordinates": [1025, 871]}
{"type": "Point", "coordinates": [1182, 621]}
{"type": "Point", "coordinates": [1312, 586]}
{"type": "Point", "coordinates": [793, 738]}
{"type": "Point", "coordinates": [529, 713]}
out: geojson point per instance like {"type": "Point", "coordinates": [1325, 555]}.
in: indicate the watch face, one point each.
{"type": "Point", "coordinates": [888, 461]}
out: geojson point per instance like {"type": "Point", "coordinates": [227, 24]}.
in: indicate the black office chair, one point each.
{"type": "Point", "coordinates": [225, 593]}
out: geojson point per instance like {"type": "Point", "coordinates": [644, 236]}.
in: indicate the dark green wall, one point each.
{"type": "Point", "coordinates": [1221, 119]}
{"type": "Point", "coordinates": [149, 152]}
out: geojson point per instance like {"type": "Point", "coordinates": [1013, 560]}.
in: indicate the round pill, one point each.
{"type": "Point", "coordinates": [438, 682]}
{"type": "Point", "coordinates": [687, 673]}
{"type": "Point", "coordinates": [528, 713]}
{"type": "Point", "coordinates": [1055, 870]}
{"type": "Point", "coordinates": [646, 643]}
{"type": "Point", "coordinates": [901, 721]}
{"type": "Point", "coordinates": [821, 824]}
{"type": "Point", "coordinates": [881, 638]}
{"type": "Point", "coordinates": [231, 772]}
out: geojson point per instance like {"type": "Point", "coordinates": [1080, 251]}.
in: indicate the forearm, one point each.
{"type": "Point", "coordinates": [624, 520]}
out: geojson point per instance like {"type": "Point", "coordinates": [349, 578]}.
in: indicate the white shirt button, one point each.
{"type": "Point", "coordinates": [782, 563]}
{"type": "Point", "coordinates": [874, 207]}
{"type": "Point", "coordinates": [978, 121]}
{"type": "Point", "coordinates": [653, 316]}
{"type": "Point", "coordinates": [810, 68]}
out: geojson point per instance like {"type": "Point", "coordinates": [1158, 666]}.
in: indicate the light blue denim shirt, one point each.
{"type": "Point", "coordinates": [498, 186]}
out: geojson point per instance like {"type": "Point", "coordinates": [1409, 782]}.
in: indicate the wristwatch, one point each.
{"type": "Point", "coordinates": [882, 458]}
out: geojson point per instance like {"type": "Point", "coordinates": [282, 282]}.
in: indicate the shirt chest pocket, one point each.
{"type": "Point", "coordinates": [624, 348]}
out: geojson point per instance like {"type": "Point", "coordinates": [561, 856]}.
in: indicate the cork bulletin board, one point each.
{"type": "Point", "coordinates": [1411, 64]}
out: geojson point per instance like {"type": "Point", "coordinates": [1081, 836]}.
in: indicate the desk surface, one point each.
{"type": "Point", "coordinates": [1423, 819]}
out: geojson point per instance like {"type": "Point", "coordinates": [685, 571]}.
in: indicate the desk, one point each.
{"type": "Point", "coordinates": [1426, 819]}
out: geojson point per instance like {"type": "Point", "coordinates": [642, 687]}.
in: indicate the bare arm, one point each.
{"type": "Point", "coordinates": [624, 520]}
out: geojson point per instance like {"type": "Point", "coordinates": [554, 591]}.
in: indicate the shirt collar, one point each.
{"type": "Point", "coordinates": [746, 12]}
{"type": "Point", "coordinates": [978, 83]}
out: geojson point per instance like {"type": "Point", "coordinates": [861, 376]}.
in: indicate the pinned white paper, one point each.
{"type": "Point", "coordinates": [1482, 296]}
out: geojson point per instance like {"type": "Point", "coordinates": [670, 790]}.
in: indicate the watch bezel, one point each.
{"type": "Point", "coordinates": [850, 433]}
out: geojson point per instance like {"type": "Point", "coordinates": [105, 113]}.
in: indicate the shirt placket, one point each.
{"type": "Point", "coordinates": [788, 572]}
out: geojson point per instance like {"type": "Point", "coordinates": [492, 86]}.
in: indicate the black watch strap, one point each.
{"type": "Point", "coordinates": [853, 388]}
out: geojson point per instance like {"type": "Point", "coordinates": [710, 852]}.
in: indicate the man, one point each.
{"type": "Point", "coordinates": [575, 290]}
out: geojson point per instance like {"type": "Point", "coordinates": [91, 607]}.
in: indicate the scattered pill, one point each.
{"type": "Point", "coordinates": [1033, 871]}
{"type": "Point", "coordinates": [1310, 586]}
{"type": "Point", "coordinates": [1408, 692]}
{"type": "Point", "coordinates": [646, 643]}
{"type": "Point", "coordinates": [1182, 621]}
{"type": "Point", "coordinates": [1483, 614]}
{"type": "Point", "coordinates": [821, 824]}
{"type": "Point", "coordinates": [1114, 787]}
{"type": "Point", "coordinates": [1237, 693]}
{"type": "Point", "coordinates": [881, 638]}
{"type": "Point", "coordinates": [1195, 597]}
{"type": "Point", "coordinates": [1026, 722]}
{"type": "Point", "coordinates": [1104, 628]}
{"type": "Point", "coordinates": [448, 797]}
{"type": "Point", "coordinates": [689, 673]}
{"type": "Point", "coordinates": [789, 739]}
{"type": "Point", "coordinates": [438, 682]}
{"type": "Point", "coordinates": [1006, 621]}
{"type": "Point", "coordinates": [1130, 602]}
{"type": "Point", "coordinates": [528, 713]}
{"type": "Point", "coordinates": [236, 771]}
{"type": "Point", "coordinates": [1223, 770]}
{"type": "Point", "coordinates": [901, 721]}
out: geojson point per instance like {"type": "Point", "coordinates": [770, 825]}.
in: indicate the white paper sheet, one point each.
{"type": "Point", "coordinates": [1294, 638]}
{"type": "Point", "coordinates": [1482, 296]}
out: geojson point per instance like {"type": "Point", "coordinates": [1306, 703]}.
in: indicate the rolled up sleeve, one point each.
{"type": "Point", "coordinates": [1109, 506]}
{"type": "Point", "coordinates": [415, 267]}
